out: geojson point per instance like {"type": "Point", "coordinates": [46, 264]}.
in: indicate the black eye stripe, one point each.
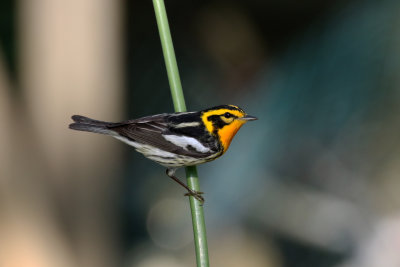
{"type": "Point", "coordinates": [217, 121]}
{"type": "Point", "coordinates": [226, 115]}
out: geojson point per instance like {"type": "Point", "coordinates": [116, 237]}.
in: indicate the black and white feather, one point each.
{"type": "Point", "coordinates": [169, 139]}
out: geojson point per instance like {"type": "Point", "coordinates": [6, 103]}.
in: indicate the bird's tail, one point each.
{"type": "Point", "coordinates": [82, 123]}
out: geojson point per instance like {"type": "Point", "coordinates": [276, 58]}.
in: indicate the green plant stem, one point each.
{"type": "Point", "coordinates": [199, 228]}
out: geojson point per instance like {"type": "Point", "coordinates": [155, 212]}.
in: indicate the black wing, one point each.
{"type": "Point", "coordinates": [150, 130]}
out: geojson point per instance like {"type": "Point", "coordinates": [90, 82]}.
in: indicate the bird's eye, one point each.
{"type": "Point", "coordinates": [227, 115]}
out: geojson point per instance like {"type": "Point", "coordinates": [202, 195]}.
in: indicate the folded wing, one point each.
{"type": "Point", "coordinates": [153, 131]}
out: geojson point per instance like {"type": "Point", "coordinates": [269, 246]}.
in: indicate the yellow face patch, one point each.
{"type": "Point", "coordinates": [228, 131]}
{"type": "Point", "coordinates": [227, 120]}
{"type": "Point", "coordinates": [219, 112]}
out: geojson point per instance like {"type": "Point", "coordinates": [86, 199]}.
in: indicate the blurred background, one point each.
{"type": "Point", "coordinates": [313, 183]}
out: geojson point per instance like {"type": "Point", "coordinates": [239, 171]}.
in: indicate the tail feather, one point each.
{"type": "Point", "coordinates": [82, 123]}
{"type": "Point", "coordinates": [86, 120]}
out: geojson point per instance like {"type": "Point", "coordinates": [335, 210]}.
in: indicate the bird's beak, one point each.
{"type": "Point", "coordinates": [248, 118]}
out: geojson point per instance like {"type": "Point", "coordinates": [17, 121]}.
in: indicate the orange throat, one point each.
{"type": "Point", "coordinates": [227, 133]}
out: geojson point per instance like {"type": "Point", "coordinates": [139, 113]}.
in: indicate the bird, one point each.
{"type": "Point", "coordinates": [175, 140]}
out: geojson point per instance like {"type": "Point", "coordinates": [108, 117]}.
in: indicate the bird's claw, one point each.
{"type": "Point", "coordinates": [197, 195]}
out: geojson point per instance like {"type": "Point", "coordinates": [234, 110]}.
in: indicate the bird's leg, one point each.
{"type": "Point", "coordinates": [195, 194]}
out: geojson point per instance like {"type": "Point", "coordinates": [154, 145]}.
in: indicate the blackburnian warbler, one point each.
{"type": "Point", "coordinates": [175, 139]}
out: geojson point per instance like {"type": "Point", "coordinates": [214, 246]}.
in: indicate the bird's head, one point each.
{"type": "Point", "coordinates": [224, 121]}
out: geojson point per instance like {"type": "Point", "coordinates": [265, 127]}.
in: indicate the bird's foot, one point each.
{"type": "Point", "coordinates": [197, 195]}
